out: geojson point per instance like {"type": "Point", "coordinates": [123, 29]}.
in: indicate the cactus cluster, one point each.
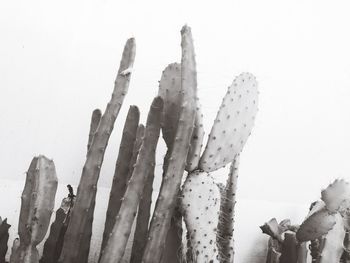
{"type": "Point", "coordinates": [188, 192]}
{"type": "Point", "coordinates": [324, 229]}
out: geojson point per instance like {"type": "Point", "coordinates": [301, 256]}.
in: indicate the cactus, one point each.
{"type": "Point", "coordinates": [273, 251]}
{"type": "Point", "coordinates": [4, 237]}
{"type": "Point", "coordinates": [170, 186]}
{"type": "Point", "coordinates": [226, 222]}
{"type": "Point", "coordinates": [233, 123]}
{"type": "Point", "coordinates": [289, 249]}
{"type": "Point", "coordinates": [54, 242]}
{"type": "Point", "coordinates": [121, 174]}
{"type": "Point", "coordinates": [333, 243]}
{"type": "Point", "coordinates": [201, 206]}
{"type": "Point", "coordinates": [117, 241]}
{"type": "Point", "coordinates": [95, 121]}
{"type": "Point", "coordinates": [38, 199]}
{"type": "Point", "coordinates": [143, 216]}
{"type": "Point", "coordinates": [87, 187]}
{"type": "Point", "coordinates": [337, 196]}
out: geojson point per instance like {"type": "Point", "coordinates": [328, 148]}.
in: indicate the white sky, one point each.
{"type": "Point", "coordinates": [58, 61]}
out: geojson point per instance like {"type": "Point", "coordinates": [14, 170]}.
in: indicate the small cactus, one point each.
{"type": "Point", "coordinates": [38, 200]}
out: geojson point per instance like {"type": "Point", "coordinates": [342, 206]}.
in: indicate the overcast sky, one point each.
{"type": "Point", "coordinates": [58, 61]}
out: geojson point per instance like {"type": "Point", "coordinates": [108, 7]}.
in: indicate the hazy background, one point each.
{"type": "Point", "coordinates": [58, 61]}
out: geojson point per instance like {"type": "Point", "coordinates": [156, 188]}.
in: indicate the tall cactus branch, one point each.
{"type": "Point", "coordinates": [91, 170]}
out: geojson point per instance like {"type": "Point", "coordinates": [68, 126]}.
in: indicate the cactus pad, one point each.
{"type": "Point", "coordinates": [316, 225]}
{"type": "Point", "coordinates": [233, 123]}
{"type": "Point", "coordinates": [337, 195]}
{"type": "Point", "coordinates": [201, 207]}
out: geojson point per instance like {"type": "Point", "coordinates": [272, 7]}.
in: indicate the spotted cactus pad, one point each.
{"type": "Point", "coordinates": [233, 123]}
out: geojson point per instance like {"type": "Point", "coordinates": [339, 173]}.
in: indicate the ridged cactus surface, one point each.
{"type": "Point", "coordinates": [114, 249]}
{"type": "Point", "coordinates": [233, 123]}
{"type": "Point", "coordinates": [122, 169]}
{"type": "Point", "coordinates": [73, 242]}
{"type": "Point", "coordinates": [170, 186]}
{"type": "Point", "coordinates": [38, 200]}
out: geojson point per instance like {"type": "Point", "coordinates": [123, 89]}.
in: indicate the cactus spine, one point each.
{"type": "Point", "coordinates": [166, 201]}
{"type": "Point", "coordinates": [117, 241]}
{"type": "Point", "coordinates": [121, 174]}
{"type": "Point", "coordinates": [38, 200]}
{"type": "Point", "coordinates": [91, 170]}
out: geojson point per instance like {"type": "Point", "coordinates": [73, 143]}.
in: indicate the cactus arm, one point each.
{"type": "Point", "coordinates": [91, 170]}
{"type": "Point", "coordinates": [4, 237]}
{"type": "Point", "coordinates": [143, 216]}
{"type": "Point", "coordinates": [233, 124]}
{"type": "Point", "coordinates": [38, 200]}
{"type": "Point", "coordinates": [333, 244]}
{"type": "Point", "coordinates": [117, 241]}
{"type": "Point", "coordinates": [95, 121]}
{"type": "Point", "coordinates": [302, 252]}
{"type": "Point", "coordinates": [200, 208]}
{"type": "Point", "coordinates": [121, 174]}
{"type": "Point", "coordinates": [227, 213]}
{"type": "Point", "coordinates": [273, 251]}
{"type": "Point", "coordinates": [170, 186]}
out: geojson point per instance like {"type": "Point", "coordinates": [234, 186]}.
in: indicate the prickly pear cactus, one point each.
{"type": "Point", "coordinates": [333, 244]}
{"type": "Point", "coordinates": [200, 208]}
{"type": "Point", "coordinates": [38, 200]}
{"type": "Point", "coordinates": [233, 123]}
{"type": "Point", "coordinates": [317, 224]}
{"type": "Point", "coordinates": [337, 196]}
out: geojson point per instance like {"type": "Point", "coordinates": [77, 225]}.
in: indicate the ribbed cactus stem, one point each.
{"type": "Point", "coordinates": [143, 216]}
{"type": "Point", "coordinates": [121, 173]}
{"type": "Point", "coordinates": [170, 186]}
{"type": "Point", "coordinates": [227, 213]}
{"type": "Point", "coordinates": [38, 200]}
{"type": "Point", "coordinates": [88, 183]}
{"type": "Point", "coordinates": [95, 121]}
{"type": "Point", "coordinates": [83, 255]}
{"type": "Point", "coordinates": [117, 241]}
{"type": "Point", "coordinates": [201, 208]}
{"type": "Point", "coordinates": [4, 237]}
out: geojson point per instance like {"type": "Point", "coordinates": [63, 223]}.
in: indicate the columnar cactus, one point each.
{"type": "Point", "coordinates": [122, 168]}
{"type": "Point", "coordinates": [227, 209]}
{"type": "Point", "coordinates": [4, 237]}
{"type": "Point", "coordinates": [114, 250]}
{"type": "Point", "coordinates": [73, 241]}
{"type": "Point", "coordinates": [38, 200]}
{"type": "Point", "coordinates": [167, 200]}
